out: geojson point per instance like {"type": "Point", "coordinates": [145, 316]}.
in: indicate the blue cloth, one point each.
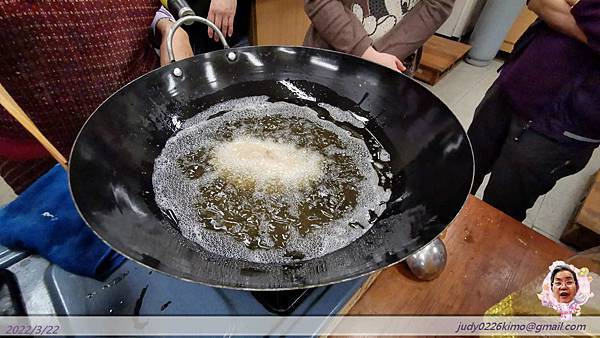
{"type": "Point", "coordinates": [44, 220]}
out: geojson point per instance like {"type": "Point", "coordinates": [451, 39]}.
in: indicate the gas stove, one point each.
{"type": "Point", "coordinates": [135, 290]}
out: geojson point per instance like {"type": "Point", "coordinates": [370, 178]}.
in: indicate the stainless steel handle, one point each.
{"type": "Point", "coordinates": [190, 19]}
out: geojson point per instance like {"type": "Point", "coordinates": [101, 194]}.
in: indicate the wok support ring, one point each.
{"type": "Point", "coordinates": [429, 262]}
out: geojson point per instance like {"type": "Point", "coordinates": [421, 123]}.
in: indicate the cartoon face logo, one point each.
{"type": "Point", "coordinates": [565, 289]}
{"type": "Point", "coordinates": [564, 284]}
{"type": "Point", "coordinates": [380, 16]}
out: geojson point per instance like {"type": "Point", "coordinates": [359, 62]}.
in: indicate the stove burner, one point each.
{"type": "Point", "coordinates": [11, 300]}
{"type": "Point", "coordinates": [281, 302]}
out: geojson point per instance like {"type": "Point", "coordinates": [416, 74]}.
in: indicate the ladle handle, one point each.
{"type": "Point", "coordinates": [179, 8]}
{"type": "Point", "coordinates": [15, 110]}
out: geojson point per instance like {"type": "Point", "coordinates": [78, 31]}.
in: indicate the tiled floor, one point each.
{"type": "Point", "coordinates": [462, 89]}
{"type": "Point", "coordinates": [6, 193]}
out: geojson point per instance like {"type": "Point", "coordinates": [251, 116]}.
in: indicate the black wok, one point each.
{"type": "Point", "coordinates": [111, 164]}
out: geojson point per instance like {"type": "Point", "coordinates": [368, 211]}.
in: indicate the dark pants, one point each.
{"type": "Point", "coordinates": [524, 164]}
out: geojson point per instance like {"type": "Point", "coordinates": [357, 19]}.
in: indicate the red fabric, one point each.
{"type": "Point", "coordinates": [61, 59]}
{"type": "Point", "coordinates": [20, 174]}
{"type": "Point", "coordinates": [21, 150]}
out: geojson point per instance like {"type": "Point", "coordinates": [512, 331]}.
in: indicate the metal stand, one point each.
{"type": "Point", "coordinates": [429, 262]}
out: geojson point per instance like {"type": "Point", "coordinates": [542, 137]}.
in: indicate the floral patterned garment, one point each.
{"type": "Point", "coordinates": [380, 16]}
{"type": "Point", "coordinates": [397, 27]}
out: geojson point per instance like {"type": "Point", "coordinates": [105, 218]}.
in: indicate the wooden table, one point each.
{"type": "Point", "coordinates": [490, 255]}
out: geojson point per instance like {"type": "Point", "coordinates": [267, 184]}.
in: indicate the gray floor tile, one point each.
{"type": "Point", "coordinates": [534, 211]}
{"type": "Point", "coordinates": [463, 88]}
{"type": "Point", "coordinates": [6, 193]}
{"type": "Point", "coordinates": [560, 203]}
{"type": "Point", "coordinates": [464, 108]}
{"type": "Point", "coordinates": [541, 231]}
{"type": "Point", "coordinates": [458, 82]}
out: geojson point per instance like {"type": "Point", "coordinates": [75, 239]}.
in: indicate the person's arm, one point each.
{"type": "Point", "coordinates": [163, 20]}
{"type": "Point", "coordinates": [222, 14]}
{"type": "Point", "coordinates": [557, 15]}
{"type": "Point", "coordinates": [181, 42]}
{"type": "Point", "coordinates": [342, 30]}
{"type": "Point", "coordinates": [384, 59]}
{"type": "Point", "coordinates": [338, 26]}
{"type": "Point", "coordinates": [418, 25]}
{"type": "Point", "coordinates": [587, 17]}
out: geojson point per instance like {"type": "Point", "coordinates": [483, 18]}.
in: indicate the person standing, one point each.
{"type": "Point", "coordinates": [59, 61]}
{"type": "Point", "coordinates": [540, 120]}
{"type": "Point", "coordinates": [386, 32]}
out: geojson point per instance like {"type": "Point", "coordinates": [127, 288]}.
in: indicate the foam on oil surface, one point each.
{"type": "Point", "coordinates": [216, 129]}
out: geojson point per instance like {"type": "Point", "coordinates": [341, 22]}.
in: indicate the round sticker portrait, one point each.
{"type": "Point", "coordinates": [565, 289]}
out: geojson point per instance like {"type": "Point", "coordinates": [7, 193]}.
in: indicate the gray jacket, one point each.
{"type": "Point", "coordinates": [397, 27]}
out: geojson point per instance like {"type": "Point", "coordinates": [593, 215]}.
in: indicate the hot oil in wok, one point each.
{"type": "Point", "coordinates": [236, 205]}
{"type": "Point", "coordinates": [270, 182]}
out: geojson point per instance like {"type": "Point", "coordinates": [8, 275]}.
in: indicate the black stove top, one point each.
{"type": "Point", "coordinates": [135, 290]}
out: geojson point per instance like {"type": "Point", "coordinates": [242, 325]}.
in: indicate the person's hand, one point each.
{"type": "Point", "coordinates": [384, 59]}
{"type": "Point", "coordinates": [572, 2]}
{"type": "Point", "coordinates": [181, 42]}
{"type": "Point", "coordinates": [557, 15]}
{"type": "Point", "coordinates": [221, 13]}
